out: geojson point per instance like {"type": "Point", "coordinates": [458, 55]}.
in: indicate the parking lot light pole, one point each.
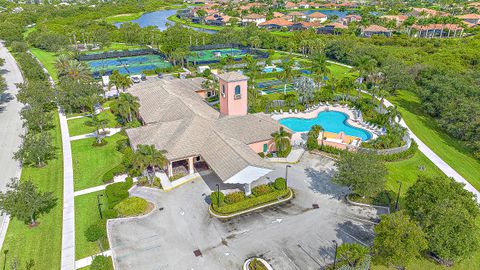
{"type": "Point", "coordinates": [286, 174]}
{"type": "Point", "coordinates": [218, 195]}
{"type": "Point", "coordinates": [99, 204]}
{"type": "Point", "coordinates": [398, 195]}
{"type": "Point", "coordinates": [335, 258]}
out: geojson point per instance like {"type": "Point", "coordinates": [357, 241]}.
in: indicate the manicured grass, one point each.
{"type": "Point", "coordinates": [42, 243]}
{"type": "Point", "coordinates": [90, 163]}
{"type": "Point", "coordinates": [110, 265]}
{"type": "Point", "coordinates": [175, 19]}
{"type": "Point", "coordinates": [123, 17]}
{"type": "Point", "coordinates": [86, 214]}
{"type": "Point", "coordinates": [117, 47]}
{"type": "Point", "coordinates": [48, 60]}
{"type": "Point", "coordinates": [449, 149]}
{"type": "Point", "coordinates": [84, 125]}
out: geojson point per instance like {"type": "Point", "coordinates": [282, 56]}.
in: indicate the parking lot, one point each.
{"type": "Point", "coordinates": [296, 235]}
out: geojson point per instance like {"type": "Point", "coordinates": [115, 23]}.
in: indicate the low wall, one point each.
{"type": "Point", "coordinates": [390, 151]}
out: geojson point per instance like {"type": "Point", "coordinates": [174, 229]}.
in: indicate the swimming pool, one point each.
{"type": "Point", "coordinates": [272, 69]}
{"type": "Point", "coordinates": [332, 121]}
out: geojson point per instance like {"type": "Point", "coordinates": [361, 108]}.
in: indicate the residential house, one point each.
{"type": "Point", "coordinates": [350, 19]}
{"type": "Point", "coordinates": [436, 31]}
{"type": "Point", "coordinates": [296, 26]}
{"type": "Point", "coordinates": [303, 4]}
{"type": "Point", "coordinates": [375, 30]}
{"type": "Point", "coordinates": [317, 17]}
{"type": "Point", "coordinates": [277, 23]}
{"type": "Point", "coordinates": [398, 19]}
{"type": "Point", "coordinates": [473, 19]}
{"type": "Point", "coordinates": [334, 28]}
{"type": "Point", "coordinates": [253, 18]}
{"type": "Point", "coordinates": [296, 15]}
{"type": "Point", "coordinates": [278, 14]}
{"type": "Point", "coordinates": [426, 13]}
{"type": "Point", "coordinates": [194, 135]}
{"type": "Point", "coordinates": [291, 5]}
{"type": "Point", "coordinates": [217, 19]}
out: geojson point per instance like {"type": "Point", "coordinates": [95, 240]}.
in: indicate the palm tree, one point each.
{"type": "Point", "coordinates": [346, 84]}
{"type": "Point", "coordinates": [115, 80]}
{"type": "Point", "coordinates": [313, 134]}
{"type": "Point", "coordinates": [319, 68]}
{"type": "Point", "coordinates": [72, 69]}
{"type": "Point", "coordinates": [124, 82]}
{"type": "Point", "coordinates": [146, 158]}
{"type": "Point", "coordinates": [287, 74]}
{"type": "Point", "coordinates": [282, 142]}
{"type": "Point", "coordinates": [393, 114]}
{"type": "Point", "coordinates": [126, 106]}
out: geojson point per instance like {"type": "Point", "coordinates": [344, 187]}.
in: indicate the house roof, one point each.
{"type": "Point", "coordinates": [376, 28]}
{"type": "Point", "coordinates": [469, 16]}
{"type": "Point", "coordinates": [181, 123]}
{"type": "Point", "coordinates": [452, 27]}
{"type": "Point", "coordinates": [395, 17]}
{"type": "Point", "coordinates": [317, 15]}
{"type": "Point", "coordinates": [290, 5]}
{"type": "Point", "coordinates": [296, 13]}
{"type": "Point", "coordinates": [254, 16]}
{"type": "Point", "coordinates": [336, 25]}
{"type": "Point", "coordinates": [278, 14]}
{"type": "Point", "coordinates": [277, 21]}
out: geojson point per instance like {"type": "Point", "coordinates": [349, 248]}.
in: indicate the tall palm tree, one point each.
{"type": "Point", "coordinates": [115, 81]}
{"type": "Point", "coordinates": [319, 68]}
{"type": "Point", "coordinates": [282, 142]}
{"type": "Point", "coordinates": [346, 84]}
{"type": "Point", "coordinates": [124, 82]}
{"type": "Point", "coordinates": [126, 106]}
{"type": "Point", "coordinates": [147, 158]}
{"type": "Point", "coordinates": [72, 69]}
{"type": "Point", "coordinates": [287, 74]}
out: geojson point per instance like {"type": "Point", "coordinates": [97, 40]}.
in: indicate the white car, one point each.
{"type": "Point", "coordinates": [136, 78]}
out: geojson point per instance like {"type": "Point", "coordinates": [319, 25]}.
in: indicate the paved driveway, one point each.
{"type": "Point", "coordinates": [11, 124]}
{"type": "Point", "coordinates": [293, 236]}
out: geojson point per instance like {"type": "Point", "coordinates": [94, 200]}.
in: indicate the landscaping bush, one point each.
{"type": "Point", "coordinates": [95, 232]}
{"type": "Point", "coordinates": [256, 265]}
{"type": "Point", "coordinates": [402, 155]}
{"type": "Point", "coordinates": [100, 263]}
{"type": "Point", "coordinates": [214, 197]}
{"type": "Point", "coordinates": [251, 202]}
{"type": "Point", "coordinates": [261, 154]}
{"type": "Point", "coordinates": [109, 175]}
{"type": "Point", "coordinates": [116, 192]}
{"type": "Point", "coordinates": [234, 197]}
{"type": "Point", "coordinates": [330, 149]}
{"type": "Point", "coordinates": [261, 190]}
{"type": "Point", "coordinates": [132, 206]}
{"type": "Point", "coordinates": [122, 145]}
{"type": "Point", "coordinates": [134, 172]}
{"type": "Point", "coordinates": [142, 181]}
{"type": "Point", "coordinates": [176, 176]}
{"type": "Point", "coordinates": [156, 182]}
{"type": "Point", "coordinates": [110, 213]}
{"type": "Point", "coordinates": [280, 183]}
{"type": "Point", "coordinates": [99, 144]}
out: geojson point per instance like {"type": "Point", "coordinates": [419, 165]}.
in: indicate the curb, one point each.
{"type": "Point", "coordinates": [292, 194]}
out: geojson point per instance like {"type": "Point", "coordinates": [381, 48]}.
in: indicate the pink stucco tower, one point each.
{"type": "Point", "coordinates": [233, 93]}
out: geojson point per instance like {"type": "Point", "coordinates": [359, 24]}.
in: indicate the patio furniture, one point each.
{"type": "Point", "coordinates": [290, 111]}
{"type": "Point", "coordinates": [281, 111]}
{"type": "Point", "coordinates": [296, 111]}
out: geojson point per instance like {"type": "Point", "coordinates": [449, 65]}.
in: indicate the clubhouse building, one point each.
{"type": "Point", "coordinates": [177, 119]}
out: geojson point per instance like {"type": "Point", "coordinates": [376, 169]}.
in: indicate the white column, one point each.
{"type": "Point", "coordinates": [248, 189]}
{"type": "Point", "coordinates": [170, 169]}
{"type": "Point", "coordinates": [190, 165]}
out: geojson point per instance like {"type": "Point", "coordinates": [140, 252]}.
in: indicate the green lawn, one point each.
{"type": "Point", "coordinates": [84, 125]}
{"type": "Point", "coordinates": [175, 19]}
{"type": "Point", "coordinates": [123, 17]}
{"type": "Point", "coordinates": [48, 60]}
{"type": "Point", "coordinates": [90, 163]}
{"type": "Point", "coordinates": [449, 149]}
{"type": "Point", "coordinates": [86, 214]}
{"type": "Point", "coordinates": [42, 243]}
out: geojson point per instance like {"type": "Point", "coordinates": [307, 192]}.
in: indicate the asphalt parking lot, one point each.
{"type": "Point", "coordinates": [292, 236]}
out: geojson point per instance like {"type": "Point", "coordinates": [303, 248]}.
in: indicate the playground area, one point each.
{"type": "Point", "coordinates": [131, 65]}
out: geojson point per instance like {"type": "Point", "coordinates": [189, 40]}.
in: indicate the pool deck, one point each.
{"type": "Point", "coordinates": [325, 108]}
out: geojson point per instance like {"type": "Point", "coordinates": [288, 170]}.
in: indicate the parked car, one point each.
{"type": "Point", "coordinates": [160, 75]}
{"type": "Point", "coordinates": [135, 78]}
{"type": "Point", "coordinates": [143, 77]}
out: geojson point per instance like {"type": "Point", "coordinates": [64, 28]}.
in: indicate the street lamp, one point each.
{"type": "Point", "coordinates": [286, 174]}
{"type": "Point", "coordinates": [99, 204]}
{"type": "Point", "coordinates": [335, 258]}
{"type": "Point", "coordinates": [5, 259]}
{"type": "Point", "coordinates": [398, 195]}
{"type": "Point", "coordinates": [218, 195]}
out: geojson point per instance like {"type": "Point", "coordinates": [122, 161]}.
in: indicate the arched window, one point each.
{"type": "Point", "coordinates": [237, 90]}
{"type": "Point", "coordinates": [223, 90]}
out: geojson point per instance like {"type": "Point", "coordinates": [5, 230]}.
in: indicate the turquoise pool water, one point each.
{"type": "Point", "coordinates": [330, 121]}
{"type": "Point", "coordinates": [270, 69]}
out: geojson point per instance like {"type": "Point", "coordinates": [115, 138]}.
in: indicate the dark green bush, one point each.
{"type": "Point", "coordinates": [122, 145]}
{"type": "Point", "coordinates": [110, 213]}
{"type": "Point", "coordinates": [100, 263]}
{"type": "Point", "coordinates": [95, 232]}
{"type": "Point", "coordinates": [403, 155]}
{"type": "Point", "coordinates": [261, 190]}
{"type": "Point", "coordinates": [117, 170]}
{"type": "Point", "coordinates": [280, 183]}
{"type": "Point", "coordinates": [261, 154]}
{"type": "Point", "coordinates": [116, 192]}
{"type": "Point", "coordinates": [99, 144]}
{"type": "Point", "coordinates": [234, 197]}
{"type": "Point", "coordinates": [131, 206]}
{"type": "Point", "coordinates": [214, 197]}
{"type": "Point", "coordinates": [134, 172]}
{"type": "Point", "coordinates": [330, 149]}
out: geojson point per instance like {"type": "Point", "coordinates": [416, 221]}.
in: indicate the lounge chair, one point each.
{"type": "Point", "coordinates": [296, 111]}
{"type": "Point", "coordinates": [281, 111]}
{"type": "Point", "coordinates": [290, 111]}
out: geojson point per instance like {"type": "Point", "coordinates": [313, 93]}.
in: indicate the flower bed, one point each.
{"type": "Point", "coordinates": [251, 202]}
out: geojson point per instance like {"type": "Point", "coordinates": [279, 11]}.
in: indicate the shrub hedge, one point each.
{"type": "Point", "coordinates": [402, 155]}
{"type": "Point", "coordinates": [214, 198]}
{"type": "Point", "coordinates": [280, 183]}
{"type": "Point", "coordinates": [261, 190]}
{"type": "Point", "coordinates": [117, 170]}
{"type": "Point", "coordinates": [234, 197]}
{"type": "Point", "coordinates": [117, 192]}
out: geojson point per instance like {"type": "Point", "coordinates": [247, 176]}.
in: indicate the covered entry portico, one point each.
{"type": "Point", "coordinates": [186, 166]}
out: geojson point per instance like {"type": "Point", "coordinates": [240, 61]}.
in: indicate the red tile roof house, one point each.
{"type": "Point", "coordinates": [277, 23]}
{"type": "Point", "coordinates": [254, 18]}
{"type": "Point", "coordinates": [303, 25]}
{"type": "Point", "coordinates": [399, 19]}
{"type": "Point", "coordinates": [303, 4]}
{"type": "Point", "coordinates": [376, 30]}
{"type": "Point", "coordinates": [217, 19]}
{"type": "Point", "coordinates": [436, 31]}
{"type": "Point", "coordinates": [278, 14]}
{"type": "Point", "coordinates": [334, 28]}
{"type": "Point", "coordinates": [295, 15]}
{"type": "Point", "coordinates": [317, 17]}
{"type": "Point", "coordinates": [291, 5]}
{"type": "Point", "coordinates": [470, 18]}
{"type": "Point", "coordinates": [351, 18]}
{"type": "Point", "coordinates": [426, 12]}
{"type": "Point", "coordinates": [314, 5]}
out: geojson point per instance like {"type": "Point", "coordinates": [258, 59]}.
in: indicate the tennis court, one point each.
{"type": "Point", "coordinates": [132, 65]}
{"type": "Point", "coordinates": [273, 86]}
{"type": "Point", "coordinates": [210, 56]}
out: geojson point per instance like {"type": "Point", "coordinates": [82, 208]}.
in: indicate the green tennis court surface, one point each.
{"type": "Point", "coordinates": [215, 54]}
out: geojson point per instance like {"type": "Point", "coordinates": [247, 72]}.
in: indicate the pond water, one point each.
{"type": "Point", "coordinates": [329, 12]}
{"type": "Point", "coordinates": [331, 121]}
{"type": "Point", "coordinates": [160, 20]}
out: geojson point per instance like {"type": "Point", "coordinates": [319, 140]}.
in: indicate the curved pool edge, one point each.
{"type": "Point", "coordinates": [314, 114]}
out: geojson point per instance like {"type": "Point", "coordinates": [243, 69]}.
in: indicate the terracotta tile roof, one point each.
{"type": "Point", "coordinates": [277, 21]}
{"type": "Point", "coordinates": [296, 14]}
{"type": "Point", "coordinates": [290, 5]}
{"type": "Point", "coordinates": [469, 16]}
{"type": "Point", "coordinates": [317, 15]}
{"type": "Point", "coordinates": [278, 14]}
{"type": "Point", "coordinates": [427, 27]}
{"type": "Point", "coordinates": [254, 16]}
{"type": "Point", "coordinates": [308, 24]}
{"type": "Point", "coordinates": [395, 17]}
{"type": "Point", "coordinates": [376, 28]}
{"type": "Point", "coordinates": [337, 25]}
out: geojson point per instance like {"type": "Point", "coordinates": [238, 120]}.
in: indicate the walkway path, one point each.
{"type": "Point", "coordinates": [68, 227]}
{"type": "Point", "coordinates": [88, 260]}
{"type": "Point", "coordinates": [11, 126]}
{"type": "Point", "coordinates": [111, 132]}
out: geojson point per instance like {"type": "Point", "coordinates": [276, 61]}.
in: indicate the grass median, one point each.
{"type": "Point", "coordinates": [42, 243]}
{"type": "Point", "coordinates": [84, 125]}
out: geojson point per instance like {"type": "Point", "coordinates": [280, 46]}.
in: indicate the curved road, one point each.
{"type": "Point", "coordinates": [10, 126]}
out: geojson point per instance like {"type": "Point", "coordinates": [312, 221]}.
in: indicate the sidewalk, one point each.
{"type": "Point", "coordinates": [68, 226]}
{"type": "Point", "coordinates": [111, 132]}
